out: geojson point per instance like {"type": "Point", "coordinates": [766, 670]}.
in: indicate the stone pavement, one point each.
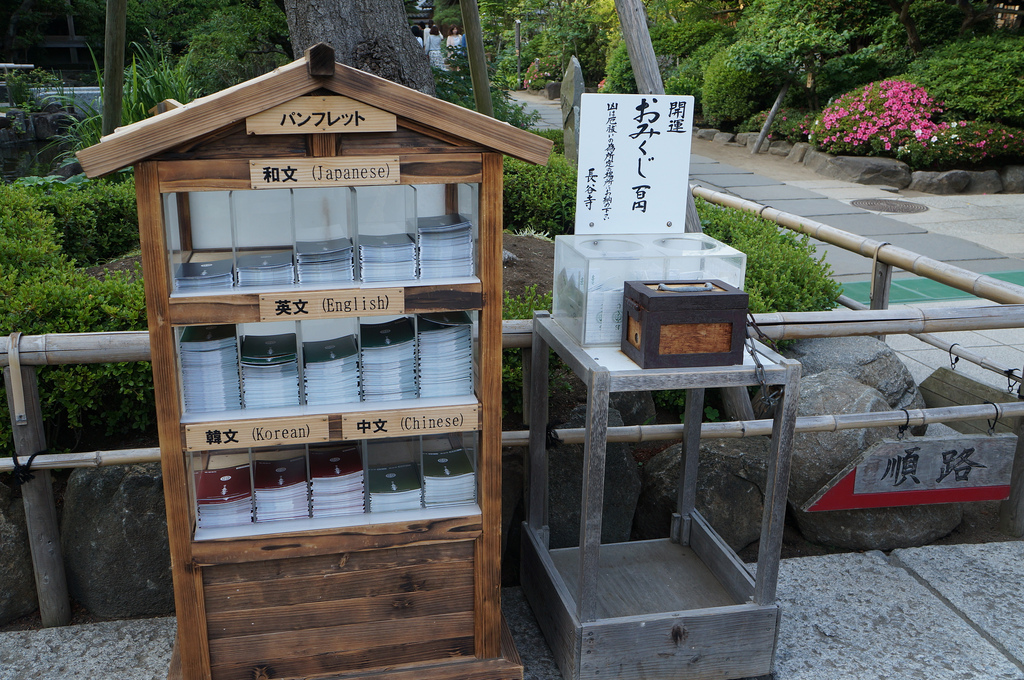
{"type": "Point", "coordinates": [931, 613]}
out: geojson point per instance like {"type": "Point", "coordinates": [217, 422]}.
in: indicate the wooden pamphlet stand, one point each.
{"type": "Point", "coordinates": [317, 150]}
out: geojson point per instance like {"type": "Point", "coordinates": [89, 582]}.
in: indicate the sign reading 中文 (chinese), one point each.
{"type": "Point", "coordinates": [921, 471]}
{"type": "Point", "coordinates": [634, 163]}
{"type": "Point", "coordinates": [332, 171]}
{"type": "Point", "coordinates": [309, 114]}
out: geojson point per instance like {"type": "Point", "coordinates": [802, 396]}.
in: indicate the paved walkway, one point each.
{"type": "Point", "coordinates": [931, 613]}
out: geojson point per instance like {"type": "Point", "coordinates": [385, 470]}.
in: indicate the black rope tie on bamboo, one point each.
{"type": "Point", "coordinates": [21, 473]}
{"type": "Point", "coordinates": [992, 423]}
{"type": "Point", "coordinates": [551, 438]}
{"type": "Point", "coordinates": [1010, 377]}
{"type": "Point", "coordinates": [953, 360]}
{"type": "Point", "coordinates": [902, 432]}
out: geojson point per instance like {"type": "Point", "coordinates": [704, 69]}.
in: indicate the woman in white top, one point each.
{"type": "Point", "coordinates": [432, 44]}
{"type": "Point", "coordinates": [454, 41]}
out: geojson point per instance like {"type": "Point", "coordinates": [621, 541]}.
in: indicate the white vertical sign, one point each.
{"type": "Point", "coordinates": [634, 163]}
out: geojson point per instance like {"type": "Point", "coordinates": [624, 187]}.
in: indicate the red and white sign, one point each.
{"type": "Point", "coordinates": [922, 471]}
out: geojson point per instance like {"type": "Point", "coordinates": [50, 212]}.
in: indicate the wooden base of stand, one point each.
{"type": "Point", "coordinates": [508, 667]}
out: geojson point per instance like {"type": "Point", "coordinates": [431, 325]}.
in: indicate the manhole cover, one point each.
{"type": "Point", "coordinates": [888, 205]}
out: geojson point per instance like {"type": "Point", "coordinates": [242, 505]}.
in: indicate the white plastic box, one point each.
{"type": "Point", "coordinates": [590, 272]}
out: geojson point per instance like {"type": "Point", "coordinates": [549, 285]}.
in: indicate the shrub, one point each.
{"type": "Point", "coordinates": [783, 272]}
{"type": "Point", "coordinates": [540, 198]}
{"type": "Point", "coordinates": [963, 144]}
{"type": "Point", "coordinates": [517, 307]}
{"type": "Point", "coordinates": [789, 124]}
{"type": "Point", "coordinates": [680, 39]}
{"type": "Point", "coordinates": [730, 95]}
{"type": "Point", "coordinates": [619, 78]}
{"type": "Point", "coordinates": [42, 292]}
{"type": "Point", "coordinates": [556, 136]}
{"type": "Point", "coordinates": [96, 221]}
{"type": "Point", "coordinates": [977, 79]}
{"type": "Point", "coordinates": [540, 72]}
{"type": "Point", "coordinates": [876, 119]}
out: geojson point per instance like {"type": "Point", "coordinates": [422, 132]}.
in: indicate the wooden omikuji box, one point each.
{"type": "Point", "coordinates": [319, 157]}
{"type": "Point", "coordinates": [678, 324]}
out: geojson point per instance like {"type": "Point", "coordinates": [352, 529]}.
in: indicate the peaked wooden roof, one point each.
{"type": "Point", "coordinates": [138, 141]}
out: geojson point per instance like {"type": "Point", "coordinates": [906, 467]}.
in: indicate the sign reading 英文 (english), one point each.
{"type": "Point", "coordinates": [332, 171]}
{"type": "Point", "coordinates": [240, 434]}
{"type": "Point", "coordinates": [310, 114]}
{"type": "Point", "coordinates": [634, 163]}
{"type": "Point", "coordinates": [332, 304]}
{"type": "Point", "coordinates": [921, 471]}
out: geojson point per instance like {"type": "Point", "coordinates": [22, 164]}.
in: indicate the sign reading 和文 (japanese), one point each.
{"type": "Point", "coordinates": [332, 171]}
{"type": "Point", "coordinates": [921, 471]}
{"type": "Point", "coordinates": [634, 163]}
{"type": "Point", "coordinates": [311, 114]}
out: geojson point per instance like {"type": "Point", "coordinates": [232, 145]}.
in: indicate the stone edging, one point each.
{"type": "Point", "coordinates": [884, 171]}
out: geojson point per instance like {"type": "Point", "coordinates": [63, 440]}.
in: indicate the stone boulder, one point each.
{"type": "Point", "coordinates": [1013, 179]}
{"type": "Point", "coordinates": [797, 153]}
{"type": "Point", "coordinates": [860, 169]}
{"type": "Point", "coordinates": [944, 183]}
{"type": "Point", "coordinates": [730, 489]}
{"type": "Point", "coordinates": [984, 182]}
{"type": "Point", "coordinates": [635, 408]}
{"type": "Point", "coordinates": [820, 456]}
{"type": "Point", "coordinates": [17, 578]}
{"type": "Point", "coordinates": [724, 137]}
{"type": "Point", "coordinates": [114, 539]}
{"type": "Point", "coordinates": [867, 360]}
{"type": "Point", "coordinates": [780, 147]}
{"type": "Point", "coordinates": [565, 485]}
{"type": "Point", "coordinates": [706, 133]}
{"type": "Point", "coordinates": [553, 90]}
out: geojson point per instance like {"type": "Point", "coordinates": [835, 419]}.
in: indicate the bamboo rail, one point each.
{"type": "Point", "coordinates": [629, 434]}
{"type": "Point", "coordinates": [963, 279]}
{"type": "Point", "coordinates": [101, 348]}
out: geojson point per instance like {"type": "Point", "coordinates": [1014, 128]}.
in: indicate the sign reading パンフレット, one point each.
{"type": "Point", "coordinates": [303, 115]}
{"type": "Point", "coordinates": [332, 171]}
{"type": "Point", "coordinates": [634, 163]}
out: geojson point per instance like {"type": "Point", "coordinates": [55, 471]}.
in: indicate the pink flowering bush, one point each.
{"type": "Point", "coordinates": [540, 72]}
{"type": "Point", "coordinates": [899, 120]}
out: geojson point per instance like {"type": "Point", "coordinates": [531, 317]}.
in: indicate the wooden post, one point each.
{"type": "Point", "coordinates": [477, 60]}
{"type": "Point", "coordinates": [536, 472]}
{"type": "Point", "coordinates": [686, 494]}
{"type": "Point", "coordinates": [633, 18]}
{"type": "Point", "coordinates": [113, 64]}
{"type": "Point", "coordinates": [881, 283]}
{"type": "Point", "coordinates": [592, 505]}
{"type": "Point", "coordinates": [1011, 511]}
{"type": "Point", "coordinates": [40, 511]}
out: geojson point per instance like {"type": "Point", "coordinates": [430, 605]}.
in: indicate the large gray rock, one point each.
{"type": "Point", "coordinates": [867, 170]}
{"type": "Point", "coordinates": [730, 489]}
{"type": "Point", "coordinates": [944, 183]}
{"type": "Point", "coordinates": [571, 96]}
{"type": "Point", "coordinates": [553, 90]}
{"type": "Point", "coordinates": [820, 456]}
{"type": "Point", "coordinates": [114, 538]}
{"type": "Point", "coordinates": [797, 153]}
{"type": "Point", "coordinates": [867, 360]}
{"type": "Point", "coordinates": [706, 133]}
{"type": "Point", "coordinates": [1013, 179]}
{"type": "Point", "coordinates": [635, 408]}
{"type": "Point", "coordinates": [17, 579]}
{"type": "Point", "coordinates": [780, 147]}
{"type": "Point", "coordinates": [724, 137]}
{"type": "Point", "coordinates": [984, 182]}
{"type": "Point", "coordinates": [565, 484]}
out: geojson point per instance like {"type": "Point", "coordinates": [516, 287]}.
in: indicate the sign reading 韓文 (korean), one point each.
{"type": "Point", "coordinates": [634, 163]}
{"type": "Point", "coordinates": [310, 114]}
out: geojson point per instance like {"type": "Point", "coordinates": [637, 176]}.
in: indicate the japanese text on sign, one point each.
{"type": "Point", "coordinates": [320, 114]}
{"type": "Point", "coordinates": [286, 173]}
{"type": "Point", "coordinates": [633, 163]}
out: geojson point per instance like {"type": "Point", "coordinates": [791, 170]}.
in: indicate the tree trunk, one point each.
{"type": "Point", "coordinates": [633, 18]}
{"type": "Point", "coordinates": [370, 35]}
{"type": "Point", "coordinates": [902, 9]}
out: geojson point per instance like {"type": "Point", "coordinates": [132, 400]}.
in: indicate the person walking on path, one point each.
{"type": "Point", "coordinates": [454, 40]}
{"type": "Point", "coordinates": [432, 45]}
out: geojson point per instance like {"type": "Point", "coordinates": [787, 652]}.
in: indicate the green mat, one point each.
{"type": "Point", "coordinates": [910, 291]}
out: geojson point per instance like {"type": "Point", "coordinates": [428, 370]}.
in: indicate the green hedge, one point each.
{"type": "Point", "coordinates": [540, 198]}
{"type": "Point", "coordinates": [41, 291]}
{"type": "Point", "coordinates": [730, 95]}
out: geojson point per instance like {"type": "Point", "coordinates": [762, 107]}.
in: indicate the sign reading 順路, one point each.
{"type": "Point", "coordinates": [634, 162]}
